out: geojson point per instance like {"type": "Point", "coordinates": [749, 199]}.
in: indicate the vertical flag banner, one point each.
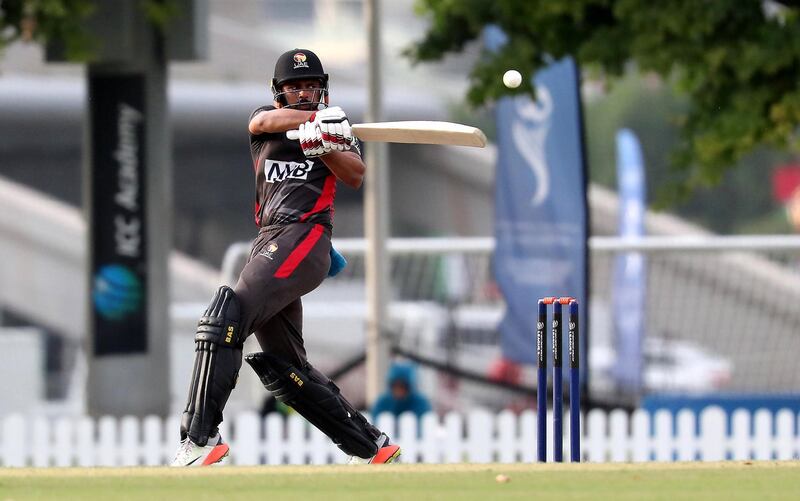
{"type": "Point", "coordinates": [629, 287]}
{"type": "Point", "coordinates": [541, 222]}
{"type": "Point", "coordinates": [117, 215]}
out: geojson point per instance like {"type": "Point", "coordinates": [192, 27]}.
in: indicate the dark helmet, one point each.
{"type": "Point", "coordinates": [298, 64]}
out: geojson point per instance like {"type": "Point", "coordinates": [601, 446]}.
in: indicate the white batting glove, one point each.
{"type": "Point", "coordinates": [335, 128]}
{"type": "Point", "coordinates": [310, 138]}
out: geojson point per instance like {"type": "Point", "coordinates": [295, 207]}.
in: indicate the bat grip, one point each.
{"type": "Point", "coordinates": [294, 135]}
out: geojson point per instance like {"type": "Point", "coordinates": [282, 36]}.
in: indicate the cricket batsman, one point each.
{"type": "Point", "coordinates": [291, 256]}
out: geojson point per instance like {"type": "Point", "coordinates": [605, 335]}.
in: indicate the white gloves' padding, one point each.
{"type": "Point", "coordinates": [310, 138]}
{"type": "Point", "coordinates": [335, 128]}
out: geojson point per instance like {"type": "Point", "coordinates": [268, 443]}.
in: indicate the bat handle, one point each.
{"type": "Point", "coordinates": [294, 135]}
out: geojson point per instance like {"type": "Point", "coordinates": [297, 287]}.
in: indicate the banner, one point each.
{"type": "Point", "coordinates": [629, 287]}
{"type": "Point", "coordinates": [117, 221]}
{"type": "Point", "coordinates": [540, 206]}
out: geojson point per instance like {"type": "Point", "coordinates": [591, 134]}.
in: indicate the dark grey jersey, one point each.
{"type": "Point", "coordinates": [290, 188]}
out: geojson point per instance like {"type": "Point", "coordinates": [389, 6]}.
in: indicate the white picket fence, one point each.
{"type": "Point", "coordinates": [477, 437]}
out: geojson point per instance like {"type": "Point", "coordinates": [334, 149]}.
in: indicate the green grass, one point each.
{"type": "Point", "coordinates": [670, 481]}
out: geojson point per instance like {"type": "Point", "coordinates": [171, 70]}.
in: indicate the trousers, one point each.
{"type": "Point", "coordinates": [285, 263]}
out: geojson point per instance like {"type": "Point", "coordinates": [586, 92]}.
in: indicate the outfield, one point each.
{"type": "Point", "coordinates": [672, 481]}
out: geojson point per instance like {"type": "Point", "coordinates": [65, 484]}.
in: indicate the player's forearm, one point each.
{"type": "Point", "coordinates": [279, 120]}
{"type": "Point", "coordinates": [346, 166]}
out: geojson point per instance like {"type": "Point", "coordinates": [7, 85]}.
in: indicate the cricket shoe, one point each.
{"type": "Point", "coordinates": [387, 453]}
{"type": "Point", "coordinates": [215, 452]}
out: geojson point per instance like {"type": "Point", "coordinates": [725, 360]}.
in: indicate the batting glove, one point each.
{"type": "Point", "coordinates": [335, 127]}
{"type": "Point", "coordinates": [310, 138]}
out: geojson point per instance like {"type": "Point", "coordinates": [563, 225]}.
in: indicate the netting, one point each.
{"type": "Point", "coordinates": [719, 316]}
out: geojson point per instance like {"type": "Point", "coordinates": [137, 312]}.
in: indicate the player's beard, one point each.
{"type": "Point", "coordinates": [306, 105]}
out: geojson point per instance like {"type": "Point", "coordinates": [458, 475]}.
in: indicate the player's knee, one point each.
{"type": "Point", "coordinates": [221, 322]}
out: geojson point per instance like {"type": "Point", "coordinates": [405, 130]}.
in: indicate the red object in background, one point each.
{"type": "Point", "coordinates": [785, 180]}
{"type": "Point", "coordinates": [506, 371]}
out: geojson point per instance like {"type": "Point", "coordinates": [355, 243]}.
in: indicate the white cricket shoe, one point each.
{"type": "Point", "coordinates": [387, 453]}
{"type": "Point", "coordinates": [215, 452]}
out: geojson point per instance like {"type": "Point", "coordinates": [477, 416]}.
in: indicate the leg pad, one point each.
{"type": "Point", "coordinates": [218, 357]}
{"type": "Point", "coordinates": [318, 400]}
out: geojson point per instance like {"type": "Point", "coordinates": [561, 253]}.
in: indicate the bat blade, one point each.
{"type": "Point", "coordinates": [421, 132]}
{"type": "Point", "coordinates": [417, 132]}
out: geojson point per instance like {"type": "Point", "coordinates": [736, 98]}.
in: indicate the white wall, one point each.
{"type": "Point", "coordinates": [22, 360]}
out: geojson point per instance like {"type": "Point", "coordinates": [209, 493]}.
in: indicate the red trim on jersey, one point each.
{"type": "Point", "coordinates": [325, 199]}
{"type": "Point", "coordinates": [299, 253]}
{"type": "Point", "coordinates": [258, 208]}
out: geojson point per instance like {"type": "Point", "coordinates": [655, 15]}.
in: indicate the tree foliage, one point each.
{"type": "Point", "coordinates": [65, 21]}
{"type": "Point", "coordinates": [41, 20]}
{"type": "Point", "coordinates": [742, 202]}
{"type": "Point", "coordinates": [736, 61]}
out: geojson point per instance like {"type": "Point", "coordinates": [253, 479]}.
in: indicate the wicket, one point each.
{"type": "Point", "coordinates": [558, 388]}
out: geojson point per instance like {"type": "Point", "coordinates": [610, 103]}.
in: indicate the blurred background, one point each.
{"type": "Point", "coordinates": [718, 316]}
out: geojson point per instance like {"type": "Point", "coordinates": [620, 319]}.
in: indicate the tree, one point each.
{"type": "Point", "coordinates": [736, 61]}
{"type": "Point", "coordinates": [42, 20]}
{"type": "Point", "coordinates": [742, 202]}
{"type": "Point", "coordinates": [66, 22]}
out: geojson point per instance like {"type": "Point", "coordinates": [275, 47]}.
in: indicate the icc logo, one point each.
{"type": "Point", "coordinates": [117, 292]}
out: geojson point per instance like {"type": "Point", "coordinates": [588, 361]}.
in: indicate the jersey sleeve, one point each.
{"type": "Point", "coordinates": [258, 140]}
{"type": "Point", "coordinates": [263, 135]}
{"type": "Point", "coordinates": [258, 110]}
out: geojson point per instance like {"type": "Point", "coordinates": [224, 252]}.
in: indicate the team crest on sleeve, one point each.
{"type": "Point", "coordinates": [276, 171]}
{"type": "Point", "coordinates": [300, 60]}
{"type": "Point", "coordinates": [269, 250]}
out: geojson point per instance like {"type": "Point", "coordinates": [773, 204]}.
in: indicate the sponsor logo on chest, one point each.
{"type": "Point", "coordinates": [276, 171]}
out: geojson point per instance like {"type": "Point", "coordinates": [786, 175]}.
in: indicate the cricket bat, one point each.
{"type": "Point", "coordinates": [417, 132]}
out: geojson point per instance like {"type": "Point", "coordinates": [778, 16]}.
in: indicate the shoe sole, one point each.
{"type": "Point", "coordinates": [217, 454]}
{"type": "Point", "coordinates": [386, 455]}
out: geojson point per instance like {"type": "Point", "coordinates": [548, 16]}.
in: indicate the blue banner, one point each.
{"type": "Point", "coordinates": [540, 205]}
{"type": "Point", "coordinates": [629, 285]}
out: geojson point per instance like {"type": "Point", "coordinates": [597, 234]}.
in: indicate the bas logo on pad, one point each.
{"type": "Point", "coordinates": [276, 171]}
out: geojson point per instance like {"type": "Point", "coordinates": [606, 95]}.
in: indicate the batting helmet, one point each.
{"type": "Point", "coordinates": [298, 64]}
